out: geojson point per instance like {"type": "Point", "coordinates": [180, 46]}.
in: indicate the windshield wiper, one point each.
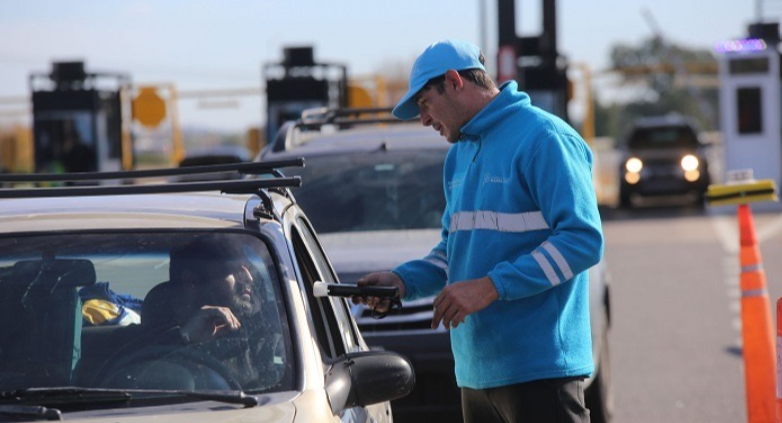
{"type": "Point", "coordinates": [28, 412]}
{"type": "Point", "coordinates": [230, 397]}
{"type": "Point", "coordinates": [63, 395]}
{"type": "Point", "coordinates": [72, 394]}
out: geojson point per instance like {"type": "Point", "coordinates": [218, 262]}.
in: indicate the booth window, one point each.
{"type": "Point", "coordinates": [757, 65]}
{"type": "Point", "coordinates": [750, 117]}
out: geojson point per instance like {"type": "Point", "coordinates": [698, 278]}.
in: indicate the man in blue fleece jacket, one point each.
{"type": "Point", "coordinates": [520, 230]}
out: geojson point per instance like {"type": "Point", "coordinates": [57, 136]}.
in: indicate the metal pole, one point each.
{"type": "Point", "coordinates": [482, 24]}
{"type": "Point", "coordinates": [178, 152]}
{"type": "Point", "coordinates": [507, 54]}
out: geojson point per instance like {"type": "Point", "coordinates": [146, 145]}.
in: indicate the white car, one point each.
{"type": "Point", "coordinates": [94, 307]}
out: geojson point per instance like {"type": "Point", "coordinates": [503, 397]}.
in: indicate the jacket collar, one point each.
{"type": "Point", "coordinates": [488, 117]}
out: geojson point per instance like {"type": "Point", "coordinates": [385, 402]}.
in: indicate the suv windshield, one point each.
{"type": "Point", "coordinates": [382, 190]}
{"type": "Point", "coordinates": [663, 137]}
{"type": "Point", "coordinates": [109, 310]}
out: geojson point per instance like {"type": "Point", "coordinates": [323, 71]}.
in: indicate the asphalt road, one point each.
{"type": "Point", "coordinates": [675, 338]}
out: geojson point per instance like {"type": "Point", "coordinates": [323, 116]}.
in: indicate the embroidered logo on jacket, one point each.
{"type": "Point", "coordinates": [494, 179]}
{"type": "Point", "coordinates": [456, 182]}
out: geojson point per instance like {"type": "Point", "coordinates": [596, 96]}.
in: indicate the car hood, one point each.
{"type": "Point", "coordinates": [280, 410]}
{"type": "Point", "coordinates": [370, 251]}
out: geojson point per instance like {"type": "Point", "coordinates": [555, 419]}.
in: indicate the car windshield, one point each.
{"type": "Point", "coordinates": [382, 190]}
{"type": "Point", "coordinates": [663, 137]}
{"type": "Point", "coordinates": [109, 310]}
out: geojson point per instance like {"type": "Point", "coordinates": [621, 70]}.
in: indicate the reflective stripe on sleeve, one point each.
{"type": "Point", "coordinates": [546, 266]}
{"type": "Point", "coordinates": [559, 259]}
{"type": "Point", "coordinates": [502, 222]}
{"type": "Point", "coordinates": [438, 259]}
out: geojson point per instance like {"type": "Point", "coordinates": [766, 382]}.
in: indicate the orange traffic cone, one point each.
{"type": "Point", "coordinates": [779, 360]}
{"type": "Point", "coordinates": [757, 331]}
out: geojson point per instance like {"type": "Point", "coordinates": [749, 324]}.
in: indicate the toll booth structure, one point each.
{"type": "Point", "coordinates": [299, 83]}
{"type": "Point", "coordinates": [534, 62]}
{"type": "Point", "coordinates": [78, 120]}
{"type": "Point", "coordinates": [750, 109]}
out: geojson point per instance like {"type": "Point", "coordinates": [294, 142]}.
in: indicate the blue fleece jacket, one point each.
{"type": "Point", "coordinates": [521, 209]}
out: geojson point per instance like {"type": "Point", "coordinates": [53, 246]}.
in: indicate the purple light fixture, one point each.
{"type": "Point", "coordinates": [736, 46]}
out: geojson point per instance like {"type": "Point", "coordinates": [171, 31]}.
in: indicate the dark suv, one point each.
{"type": "Point", "coordinates": [374, 193]}
{"type": "Point", "coordinates": [663, 156]}
{"type": "Point", "coordinates": [101, 285]}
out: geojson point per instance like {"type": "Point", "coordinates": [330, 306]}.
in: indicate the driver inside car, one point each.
{"type": "Point", "coordinates": [209, 311]}
{"type": "Point", "coordinates": [216, 295]}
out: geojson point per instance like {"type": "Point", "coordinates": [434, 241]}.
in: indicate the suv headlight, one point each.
{"type": "Point", "coordinates": [634, 165]}
{"type": "Point", "coordinates": [690, 162]}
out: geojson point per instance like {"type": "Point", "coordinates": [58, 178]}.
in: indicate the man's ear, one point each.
{"type": "Point", "coordinates": [453, 79]}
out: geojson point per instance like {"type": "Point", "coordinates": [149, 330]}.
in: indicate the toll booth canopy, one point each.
{"type": "Point", "coordinates": [298, 83]}
{"type": "Point", "coordinates": [77, 119]}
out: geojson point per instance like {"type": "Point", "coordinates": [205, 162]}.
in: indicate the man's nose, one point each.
{"type": "Point", "coordinates": [244, 275]}
{"type": "Point", "coordinates": [426, 119]}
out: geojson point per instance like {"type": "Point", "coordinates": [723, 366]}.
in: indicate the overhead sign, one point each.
{"type": "Point", "coordinates": [359, 97]}
{"type": "Point", "coordinates": [148, 108]}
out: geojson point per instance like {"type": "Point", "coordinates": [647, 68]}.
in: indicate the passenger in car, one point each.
{"type": "Point", "coordinates": [211, 291]}
{"type": "Point", "coordinates": [210, 304]}
{"type": "Point", "coordinates": [212, 295]}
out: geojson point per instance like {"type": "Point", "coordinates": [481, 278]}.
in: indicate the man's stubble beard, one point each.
{"type": "Point", "coordinates": [242, 306]}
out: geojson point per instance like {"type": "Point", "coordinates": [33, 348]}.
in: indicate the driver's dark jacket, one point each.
{"type": "Point", "coordinates": [247, 353]}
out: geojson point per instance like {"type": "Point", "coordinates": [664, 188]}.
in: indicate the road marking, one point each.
{"type": "Point", "coordinates": [769, 230]}
{"type": "Point", "coordinates": [731, 269]}
{"type": "Point", "coordinates": [727, 232]}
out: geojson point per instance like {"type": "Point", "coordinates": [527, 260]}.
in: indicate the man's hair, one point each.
{"type": "Point", "coordinates": [477, 76]}
{"type": "Point", "coordinates": [206, 255]}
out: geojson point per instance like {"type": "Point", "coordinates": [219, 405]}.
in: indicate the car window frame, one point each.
{"type": "Point", "coordinates": [330, 335]}
{"type": "Point", "coordinates": [347, 327]}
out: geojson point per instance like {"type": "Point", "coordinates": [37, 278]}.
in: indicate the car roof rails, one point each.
{"type": "Point", "coordinates": [247, 186]}
{"type": "Point", "coordinates": [315, 121]}
{"type": "Point", "coordinates": [317, 117]}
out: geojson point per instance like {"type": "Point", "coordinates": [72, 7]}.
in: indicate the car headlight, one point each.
{"type": "Point", "coordinates": [634, 165]}
{"type": "Point", "coordinates": [690, 163]}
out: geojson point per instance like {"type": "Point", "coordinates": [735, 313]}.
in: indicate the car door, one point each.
{"type": "Point", "coordinates": [335, 329]}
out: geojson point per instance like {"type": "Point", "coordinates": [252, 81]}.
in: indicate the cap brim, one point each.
{"type": "Point", "coordinates": [407, 108]}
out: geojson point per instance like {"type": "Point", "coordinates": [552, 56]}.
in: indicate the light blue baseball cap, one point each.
{"type": "Point", "coordinates": [435, 61]}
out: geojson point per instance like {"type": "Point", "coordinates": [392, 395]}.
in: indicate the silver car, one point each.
{"type": "Point", "coordinates": [95, 305]}
{"type": "Point", "coordinates": [375, 196]}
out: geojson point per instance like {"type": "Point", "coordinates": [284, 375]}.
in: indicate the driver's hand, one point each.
{"type": "Point", "coordinates": [380, 305]}
{"type": "Point", "coordinates": [207, 322]}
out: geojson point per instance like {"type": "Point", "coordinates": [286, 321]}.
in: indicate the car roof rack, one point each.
{"type": "Point", "coordinates": [318, 117]}
{"type": "Point", "coordinates": [246, 186]}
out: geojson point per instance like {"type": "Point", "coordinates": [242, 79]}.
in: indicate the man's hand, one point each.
{"type": "Point", "coordinates": [379, 279]}
{"type": "Point", "coordinates": [207, 322]}
{"type": "Point", "coordinates": [456, 301]}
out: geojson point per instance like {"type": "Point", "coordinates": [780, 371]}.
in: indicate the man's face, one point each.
{"type": "Point", "coordinates": [441, 111]}
{"type": "Point", "coordinates": [232, 288]}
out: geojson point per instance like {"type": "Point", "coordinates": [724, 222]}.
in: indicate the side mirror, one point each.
{"type": "Point", "coordinates": [368, 377]}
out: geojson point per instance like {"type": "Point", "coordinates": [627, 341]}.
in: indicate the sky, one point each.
{"type": "Point", "coordinates": [202, 45]}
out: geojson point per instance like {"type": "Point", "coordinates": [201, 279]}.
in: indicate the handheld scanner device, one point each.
{"type": "Point", "coordinates": [323, 289]}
